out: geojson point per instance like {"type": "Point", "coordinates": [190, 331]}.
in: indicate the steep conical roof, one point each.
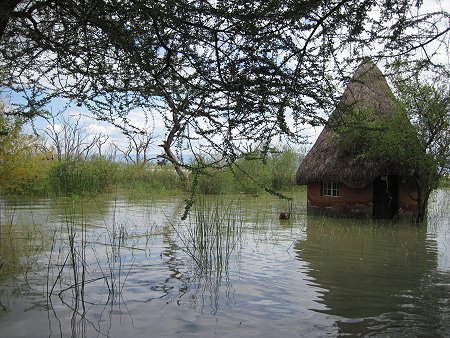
{"type": "Point", "coordinates": [367, 90]}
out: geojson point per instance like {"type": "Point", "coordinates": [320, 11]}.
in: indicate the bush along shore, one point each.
{"type": "Point", "coordinates": [42, 175]}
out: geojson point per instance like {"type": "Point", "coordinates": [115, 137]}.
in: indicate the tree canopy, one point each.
{"type": "Point", "coordinates": [427, 104]}
{"type": "Point", "coordinates": [229, 72]}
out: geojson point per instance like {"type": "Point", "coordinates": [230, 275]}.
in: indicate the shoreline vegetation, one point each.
{"type": "Point", "coordinates": [44, 176]}
{"type": "Point", "coordinates": [31, 167]}
{"type": "Point", "coordinates": [40, 176]}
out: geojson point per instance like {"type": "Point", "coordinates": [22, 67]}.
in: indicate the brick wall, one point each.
{"type": "Point", "coordinates": [355, 202]}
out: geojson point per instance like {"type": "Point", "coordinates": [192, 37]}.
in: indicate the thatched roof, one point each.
{"type": "Point", "coordinates": [368, 89]}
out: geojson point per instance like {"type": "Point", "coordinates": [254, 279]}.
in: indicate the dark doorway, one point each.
{"type": "Point", "coordinates": [385, 197]}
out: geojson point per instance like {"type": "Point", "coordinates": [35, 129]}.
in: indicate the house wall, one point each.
{"type": "Point", "coordinates": [350, 202]}
{"type": "Point", "coordinates": [356, 202]}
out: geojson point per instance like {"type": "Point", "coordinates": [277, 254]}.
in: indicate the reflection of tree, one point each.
{"type": "Point", "coordinates": [83, 208]}
{"type": "Point", "coordinates": [372, 274]}
{"type": "Point", "coordinates": [174, 264]}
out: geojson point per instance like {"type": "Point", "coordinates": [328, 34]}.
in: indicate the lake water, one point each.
{"type": "Point", "coordinates": [115, 267]}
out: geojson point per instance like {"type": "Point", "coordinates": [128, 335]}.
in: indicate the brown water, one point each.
{"type": "Point", "coordinates": [131, 268]}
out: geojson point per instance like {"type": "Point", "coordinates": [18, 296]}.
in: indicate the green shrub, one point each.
{"type": "Point", "coordinates": [216, 182]}
{"type": "Point", "coordinates": [82, 177]}
{"type": "Point", "coordinates": [284, 165]}
{"type": "Point", "coordinates": [252, 176]}
{"type": "Point", "coordinates": [148, 178]}
{"type": "Point", "coordinates": [164, 178]}
{"type": "Point", "coordinates": [22, 174]}
{"type": "Point", "coordinates": [24, 166]}
{"type": "Point", "coordinates": [444, 182]}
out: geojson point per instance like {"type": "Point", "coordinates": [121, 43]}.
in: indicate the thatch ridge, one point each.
{"type": "Point", "coordinates": [368, 89]}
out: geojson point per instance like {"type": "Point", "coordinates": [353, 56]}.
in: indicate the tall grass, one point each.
{"type": "Point", "coordinates": [210, 236]}
{"type": "Point", "coordinates": [41, 175]}
{"type": "Point", "coordinates": [253, 174]}
{"type": "Point", "coordinates": [82, 177]}
{"type": "Point", "coordinates": [216, 182]}
{"type": "Point", "coordinates": [142, 178]}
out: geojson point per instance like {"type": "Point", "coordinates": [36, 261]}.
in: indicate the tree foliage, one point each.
{"type": "Point", "coordinates": [22, 164]}
{"type": "Point", "coordinates": [427, 103]}
{"type": "Point", "coordinates": [229, 72]}
{"type": "Point", "coordinates": [9, 131]}
{"type": "Point", "coordinates": [386, 139]}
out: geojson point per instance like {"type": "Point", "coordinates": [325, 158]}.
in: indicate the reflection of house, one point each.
{"type": "Point", "coordinates": [340, 183]}
{"type": "Point", "coordinates": [371, 284]}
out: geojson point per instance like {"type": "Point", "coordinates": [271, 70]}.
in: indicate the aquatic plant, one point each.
{"type": "Point", "coordinates": [210, 236]}
{"type": "Point", "coordinates": [77, 269]}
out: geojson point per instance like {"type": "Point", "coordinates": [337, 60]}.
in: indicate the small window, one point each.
{"type": "Point", "coordinates": [330, 189]}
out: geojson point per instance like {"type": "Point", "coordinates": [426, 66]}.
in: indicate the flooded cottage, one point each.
{"type": "Point", "coordinates": [344, 183]}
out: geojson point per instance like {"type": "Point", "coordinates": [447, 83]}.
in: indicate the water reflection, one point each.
{"type": "Point", "coordinates": [374, 275]}
{"type": "Point", "coordinates": [206, 240]}
{"type": "Point", "coordinates": [233, 269]}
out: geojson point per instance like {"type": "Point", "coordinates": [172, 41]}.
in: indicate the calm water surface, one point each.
{"type": "Point", "coordinates": [131, 268]}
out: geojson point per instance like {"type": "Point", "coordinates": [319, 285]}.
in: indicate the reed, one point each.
{"type": "Point", "coordinates": [74, 274]}
{"type": "Point", "coordinates": [210, 236]}
{"type": "Point", "coordinates": [20, 245]}
{"type": "Point", "coordinates": [43, 176]}
{"type": "Point", "coordinates": [82, 177]}
{"type": "Point", "coordinates": [143, 179]}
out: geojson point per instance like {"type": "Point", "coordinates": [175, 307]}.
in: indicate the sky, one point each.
{"type": "Point", "coordinates": [92, 127]}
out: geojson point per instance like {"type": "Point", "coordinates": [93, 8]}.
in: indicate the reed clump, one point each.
{"type": "Point", "coordinates": [82, 177]}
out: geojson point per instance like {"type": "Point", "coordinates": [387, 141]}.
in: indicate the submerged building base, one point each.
{"type": "Point", "coordinates": [363, 202]}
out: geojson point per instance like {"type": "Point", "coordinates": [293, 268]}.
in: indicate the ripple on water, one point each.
{"type": "Point", "coordinates": [312, 278]}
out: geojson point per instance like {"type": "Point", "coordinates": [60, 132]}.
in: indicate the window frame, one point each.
{"type": "Point", "coordinates": [329, 189]}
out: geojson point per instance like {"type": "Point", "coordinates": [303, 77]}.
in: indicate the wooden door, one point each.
{"type": "Point", "coordinates": [385, 197]}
